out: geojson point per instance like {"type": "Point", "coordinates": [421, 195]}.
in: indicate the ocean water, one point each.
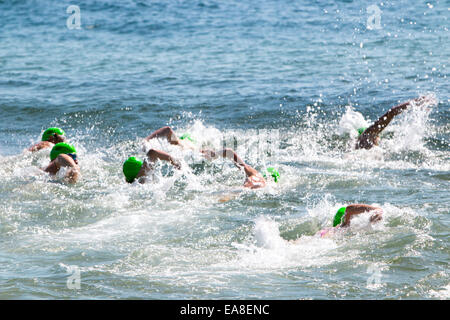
{"type": "Point", "coordinates": [285, 83]}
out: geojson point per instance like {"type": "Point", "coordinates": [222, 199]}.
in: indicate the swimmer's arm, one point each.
{"type": "Point", "coordinates": [225, 153]}
{"type": "Point", "coordinates": [40, 145]}
{"type": "Point", "coordinates": [250, 171]}
{"type": "Point", "coordinates": [209, 154]}
{"type": "Point", "coordinates": [230, 154]}
{"type": "Point", "coordinates": [355, 209]}
{"type": "Point", "coordinates": [52, 168]}
{"type": "Point", "coordinates": [165, 132]}
{"type": "Point", "coordinates": [258, 180]}
{"type": "Point", "coordinates": [154, 155]}
{"type": "Point", "coordinates": [169, 134]}
{"type": "Point", "coordinates": [64, 160]}
{"type": "Point", "coordinates": [47, 144]}
{"type": "Point", "coordinates": [386, 118]}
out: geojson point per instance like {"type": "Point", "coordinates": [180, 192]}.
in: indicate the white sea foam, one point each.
{"type": "Point", "coordinates": [176, 230]}
{"type": "Point", "coordinates": [351, 121]}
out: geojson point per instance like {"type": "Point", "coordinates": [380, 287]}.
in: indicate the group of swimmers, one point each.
{"type": "Point", "coordinates": [64, 155]}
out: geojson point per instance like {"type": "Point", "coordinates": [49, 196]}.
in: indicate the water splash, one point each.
{"type": "Point", "coordinates": [351, 121]}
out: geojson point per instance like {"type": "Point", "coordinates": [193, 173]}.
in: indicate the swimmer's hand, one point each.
{"type": "Point", "coordinates": [73, 175]}
{"type": "Point", "coordinates": [376, 216]}
{"type": "Point", "coordinates": [425, 101]}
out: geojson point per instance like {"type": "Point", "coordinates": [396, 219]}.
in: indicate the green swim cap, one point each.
{"type": "Point", "coordinates": [273, 172]}
{"type": "Point", "coordinates": [131, 168]}
{"type": "Point", "coordinates": [187, 136]}
{"type": "Point", "coordinates": [61, 148]}
{"type": "Point", "coordinates": [361, 130]}
{"type": "Point", "coordinates": [338, 217]}
{"type": "Point", "coordinates": [50, 131]}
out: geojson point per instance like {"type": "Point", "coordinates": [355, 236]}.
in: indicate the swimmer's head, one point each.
{"type": "Point", "coordinates": [187, 136]}
{"type": "Point", "coordinates": [272, 172]}
{"type": "Point", "coordinates": [338, 216]}
{"type": "Point", "coordinates": [53, 135]}
{"type": "Point", "coordinates": [62, 148]}
{"type": "Point", "coordinates": [375, 140]}
{"type": "Point", "coordinates": [361, 130]}
{"type": "Point", "coordinates": [131, 168]}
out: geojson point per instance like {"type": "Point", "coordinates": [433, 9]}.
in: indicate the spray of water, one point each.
{"type": "Point", "coordinates": [177, 229]}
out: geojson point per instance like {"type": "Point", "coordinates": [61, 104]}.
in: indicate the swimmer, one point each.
{"type": "Point", "coordinates": [345, 214]}
{"type": "Point", "coordinates": [369, 137]}
{"type": "Point", "coordinates": [64, 155]}
{"type": "Point", "coordinates": [50, 137]}
{"type": "Point", "coordinates": [136, 169]}
{"type": "Point", "coordinates": [254, 179]}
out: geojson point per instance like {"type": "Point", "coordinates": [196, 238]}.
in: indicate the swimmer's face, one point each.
{"type": "Point", "coordinates": [146, 168]}
{"type": "Point", "coordinates": [56, 138]}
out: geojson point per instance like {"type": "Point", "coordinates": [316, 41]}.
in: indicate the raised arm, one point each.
{"type": "Point", "coordinates": [355, 209]}
{"type": "Point", "coordinates": [169, 134]}
{"type": "Point", "coordinates": [369, 137]}
{"type": "Point", "coordinates": [40, 145]}
{"type": "Point", "coordinates": [165, 132]}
